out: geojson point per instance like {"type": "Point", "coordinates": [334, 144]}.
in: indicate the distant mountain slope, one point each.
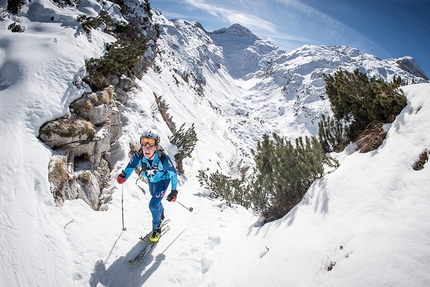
{"type": "Point", "coordinates": [261, 87]}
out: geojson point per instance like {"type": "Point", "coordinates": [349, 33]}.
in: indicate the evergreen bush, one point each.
{"type": "Point", "coordinates": [120, 56]}
{"type": "Point", "coordinates": [282, 175]}
{"type": "Point", "coordinates": [14, 27]}
{"type": "Point", "coordinates": [218, 183]}
{"type": "Point", "coordinates": [185, 141]}
{"type": "Point", "coordinates": [366, 103]}
{"type": "Point", "coordinates": [14, 5]}
{"type": "Point", "coordinates": [332, 134]}
{"type": "Point", "coordinates": [354, 97]}
{"type": "Point", "coordinates": [89, 23]}
{"type": "Point", "coordinates": [284, 172]}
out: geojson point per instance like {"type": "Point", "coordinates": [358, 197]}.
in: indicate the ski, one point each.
{"type": "Point", "coordinates": [149, 246]}
{"type": "Point", "coordinates": [146, 237]}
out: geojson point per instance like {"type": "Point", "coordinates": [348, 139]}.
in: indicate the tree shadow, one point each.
{"type": "Point", "coordinates": [122, 273]}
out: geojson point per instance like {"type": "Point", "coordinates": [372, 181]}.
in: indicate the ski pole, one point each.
{"type": "Point", "coordinates": [122, 207]}
{"type": "Point", "coordinates": [189, 208]}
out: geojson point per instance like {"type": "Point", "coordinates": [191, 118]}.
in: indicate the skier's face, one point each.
{"type": "Point", "coordinates": [149, 146]}
{"type": "Point", "coordinates": [149, 151]}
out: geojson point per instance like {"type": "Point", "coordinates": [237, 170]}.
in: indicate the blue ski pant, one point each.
{"type": "Point", "coordinates": [157, 191]}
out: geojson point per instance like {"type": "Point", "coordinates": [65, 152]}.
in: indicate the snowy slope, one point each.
{"type": "Point", "coordinates": [283, 92]}
{"type": "Point", "coordinates": [368, 220]}
{"type": "Point", "coordinates": [370, 217]}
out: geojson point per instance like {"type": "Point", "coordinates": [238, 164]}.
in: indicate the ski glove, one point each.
{"type": "Point", "coordinates": [121, 178]}
{"type": "Point", "coordinates": [172, 196]}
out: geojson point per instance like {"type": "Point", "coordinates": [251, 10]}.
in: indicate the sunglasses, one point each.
{"type": "Point", "coordinates": [148, 141]}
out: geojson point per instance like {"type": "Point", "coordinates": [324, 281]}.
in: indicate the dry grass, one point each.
{"type": "Point", "coordinates": [88, 102]}
{"type": "Point", "coordinates": [97, 82]}
{"type": "Point", "coordinates": [423, 158]}
{"type": "Point", "coordinates": [67, 128]}
{"type": "Point", "coordinates": [372, 137]}
{"type": "Point", "coordinates": [58, 177]}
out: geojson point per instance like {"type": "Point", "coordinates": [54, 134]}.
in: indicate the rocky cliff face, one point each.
{"type": "Point", "coordinates": [81, 140]}
{"type": "Point", "coordinates": [410, 65]}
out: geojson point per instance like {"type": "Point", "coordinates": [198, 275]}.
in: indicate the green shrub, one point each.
{"type": "Point", "coordinates": [354, 97]}
{"type": "Point", "coordinates": [185, 141]}
{"type": "Point", "coordinates": [89, 23]}
{"type": "Point", "coordinates": [14, 27]}
{"type": "Point", "coordinates": [332, 134]}
{"type": "Point", "coordinates": [14, 5]}
{"type": "Point", "coordinates": [232, 191]}
{"type": "Point", "coordinates": [120, 56]}
{"type": "Point", "coordinates": [365, 103]}
{"type": "Point", "coordinates": [129, 32]}
{"type": "Point", "coordinates": [284, 172]}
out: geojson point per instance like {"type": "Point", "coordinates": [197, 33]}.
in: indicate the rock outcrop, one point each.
{"type": "Point", "coordinates": [81, 140]}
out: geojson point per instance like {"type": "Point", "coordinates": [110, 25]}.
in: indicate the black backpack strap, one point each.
{"type": "Point", "coordinates": [161, 156]}
{"type": "Point", "coordinates": [140, 155]}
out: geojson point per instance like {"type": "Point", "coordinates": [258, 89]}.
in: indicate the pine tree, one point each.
{"type": "Point", "coordinates": [365, 103]}
{"type": "Point", "coordinates": [284, 172]}
{"type": "Point", "coordinates": [354, 97]}
{"type": "Point", "coordinates": [185, 141]}
{"type": "Point", "coordinates": [332, 134]}
{"type": "Point", "coordinates": [260, 187]}
{"type": "Point", "coordinates": [14, 5]}
{"type": "Point", "coordinates": [226, 188]}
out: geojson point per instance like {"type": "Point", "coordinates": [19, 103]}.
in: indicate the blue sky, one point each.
{"type": "Point", "coordinates": [385, 28]}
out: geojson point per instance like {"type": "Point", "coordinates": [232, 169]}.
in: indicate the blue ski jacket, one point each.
{"type": "Point", "coordinates": [155, 170]}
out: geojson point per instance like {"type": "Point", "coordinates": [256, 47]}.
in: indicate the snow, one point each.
{"type": "Point", "coordinates": [368, 221]}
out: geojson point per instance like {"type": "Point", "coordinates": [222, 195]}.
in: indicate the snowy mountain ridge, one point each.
{"type": "Point", "coordinates": [259, 86]}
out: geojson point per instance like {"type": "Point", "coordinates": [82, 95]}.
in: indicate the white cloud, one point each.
{"type": "Point", "coordinates": [289, 23]}
{"type": "Point", "coordinates": [311, 26]}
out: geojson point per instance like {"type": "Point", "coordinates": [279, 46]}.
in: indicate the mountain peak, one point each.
{"type": "Point", "coordinates": [235, 30]}
{"type": "Point", "coordinates": [409, 64]}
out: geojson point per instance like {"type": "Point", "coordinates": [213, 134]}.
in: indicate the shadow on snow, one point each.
{"type": "Point", "coordinates": [122, 273]}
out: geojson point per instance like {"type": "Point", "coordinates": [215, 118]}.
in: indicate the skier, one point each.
{"type": "Point", "coordinates": [159, 171]}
